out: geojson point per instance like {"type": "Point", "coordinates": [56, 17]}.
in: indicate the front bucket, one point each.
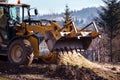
{"type": "Point", "coordinates": [67, 42]}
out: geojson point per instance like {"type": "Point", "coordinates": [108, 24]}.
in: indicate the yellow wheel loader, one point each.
{"type": "Point", "coordinates": [23, 38]}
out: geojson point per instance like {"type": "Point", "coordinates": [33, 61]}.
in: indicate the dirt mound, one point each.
{"type": "Point", "coordinates": [75, 59]}
{"type": "Point", "coordinates": [73, 73]}
{"type": "Point", "coordinates": [72, 66]}
{"type": "Point", "coordinates": [52, 71]}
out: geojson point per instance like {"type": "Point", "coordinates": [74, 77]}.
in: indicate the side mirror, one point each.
{"type": "Point", "coordinates": [36, 12]}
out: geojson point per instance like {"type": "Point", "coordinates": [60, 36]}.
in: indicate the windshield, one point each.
{"type": "Point", "coordinates": [16, 13]}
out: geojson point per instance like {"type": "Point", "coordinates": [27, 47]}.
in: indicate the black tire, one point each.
{"type": "Point", "coordinates": [20, 52]}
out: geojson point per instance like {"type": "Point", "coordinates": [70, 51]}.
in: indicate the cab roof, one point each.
{"type": "Point", "coordinates": [8, 4]}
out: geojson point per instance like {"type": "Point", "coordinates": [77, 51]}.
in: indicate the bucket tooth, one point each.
{"type": "Point", "coordinates": [61, 49]}
{"type": "Point", "coordinates": [70, 49]}
{"type": "Point", "coordinates": [57, 50]}
{"type": "Point", "coordinates": [66, 49]}
{"type": "Point", "coordinates": [76, 49]}
{"type": "Point", "coordinates": [79, 50]}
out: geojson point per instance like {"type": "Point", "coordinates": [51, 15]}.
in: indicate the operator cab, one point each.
{"type": "Point", "coordinates": [10, 14]}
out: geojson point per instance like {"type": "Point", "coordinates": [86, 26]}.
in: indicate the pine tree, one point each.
{"type": "Point", "coordinates": [67, 14]}
{"type": "Point", "coordinates": [110, 20]}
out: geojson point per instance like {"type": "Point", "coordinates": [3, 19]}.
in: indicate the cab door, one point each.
{"type": "Point", "coordinates": [3, 23]}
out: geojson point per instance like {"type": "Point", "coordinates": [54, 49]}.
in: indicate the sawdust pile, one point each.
{"type": "Point", "coordinates": [75, 59]}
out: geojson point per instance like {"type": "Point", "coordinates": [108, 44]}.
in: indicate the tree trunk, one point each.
{"type": "Point", "coordinates": [111, 54]}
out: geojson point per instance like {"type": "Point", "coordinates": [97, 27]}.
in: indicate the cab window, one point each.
{"type": "Point", "coordinates": [15, 13]}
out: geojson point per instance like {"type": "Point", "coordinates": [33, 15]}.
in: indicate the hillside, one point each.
{"type": "Point", "coordinates": [80, 17]}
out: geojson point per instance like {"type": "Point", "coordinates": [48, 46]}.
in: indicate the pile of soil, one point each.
{"type": "Point", "coordinates": [52, 71]}
{"type": "Point", "coordinates": [73, 73]}
{"type": "Point", "coordinates": [75, 59]}
{"type": "Point", "coordinates": [72, 66]}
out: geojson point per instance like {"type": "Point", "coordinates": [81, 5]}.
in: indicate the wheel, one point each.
{"type": "Point", "coordinates": [20, 52]}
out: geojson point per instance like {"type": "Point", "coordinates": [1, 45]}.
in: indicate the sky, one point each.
{"type": "Point", "coordinates": [58, 6]}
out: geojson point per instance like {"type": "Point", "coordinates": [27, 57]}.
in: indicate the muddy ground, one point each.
{"type": "Point", "coordinates": [41, 71]}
